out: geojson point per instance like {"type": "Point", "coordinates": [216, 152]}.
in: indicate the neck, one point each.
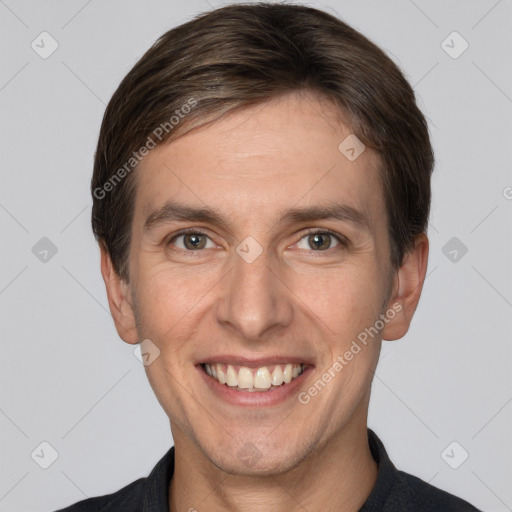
{"type": "Point", "coordinates": [337, 477]}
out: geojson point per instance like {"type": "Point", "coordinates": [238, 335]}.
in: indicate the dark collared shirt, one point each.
{"type": "Point", "coordinates": [394, 491]}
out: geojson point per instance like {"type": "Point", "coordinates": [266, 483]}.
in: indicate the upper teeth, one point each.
{"type": "Point", "coordinates": [260, 378]}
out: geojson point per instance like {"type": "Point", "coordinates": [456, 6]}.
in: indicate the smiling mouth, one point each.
{"type": "Point", "coordinates": [265, 378]}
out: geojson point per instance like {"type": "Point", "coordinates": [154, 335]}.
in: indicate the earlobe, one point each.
{"type": "Point", "coordinates": [407, 287]}
{"type": "Point", "coordinates": [119, 299]}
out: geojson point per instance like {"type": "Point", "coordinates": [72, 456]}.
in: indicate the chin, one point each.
{"type": "Point", "coordinates": [256, 456]}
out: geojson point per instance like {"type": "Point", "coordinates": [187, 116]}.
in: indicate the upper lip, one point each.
{"type": "Point", "coordinates": [255, 362]}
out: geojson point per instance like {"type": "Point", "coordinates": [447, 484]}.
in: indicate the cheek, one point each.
{"type": "Point", "coordinates": [169, 293]}
{"type": "Point", "coordinates": [171, 301]}
{"type": "Point", "coordinates": [343, 300]}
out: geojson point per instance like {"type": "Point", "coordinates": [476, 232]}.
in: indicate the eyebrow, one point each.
{"type": "Point", "coordinates": [172, 211]}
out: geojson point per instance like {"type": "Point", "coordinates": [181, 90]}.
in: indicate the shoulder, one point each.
{"type": "Point", "coordinates": [146, 493]}
{"type": "Point", "coordinates": [412, 493]}
{"type": "Point", "coordinates": [128, 499]}
{"type": "Point", "coordinates": [396, 490]}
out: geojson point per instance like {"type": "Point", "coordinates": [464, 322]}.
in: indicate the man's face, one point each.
{"type": "Point", "coordinates": [214, 298]}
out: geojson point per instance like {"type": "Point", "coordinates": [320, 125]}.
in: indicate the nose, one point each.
{"type": "Point", "coordinates": [256, 300]}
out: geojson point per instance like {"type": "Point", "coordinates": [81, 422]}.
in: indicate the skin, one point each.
{"type": "Point", "coordinates": [293, 299]}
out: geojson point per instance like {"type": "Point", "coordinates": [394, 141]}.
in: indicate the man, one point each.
{"type": "Point", "coordinates": [261, 194]}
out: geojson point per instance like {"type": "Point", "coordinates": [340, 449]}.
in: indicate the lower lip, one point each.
{"type": "Point", "coordinates": [255, 398]}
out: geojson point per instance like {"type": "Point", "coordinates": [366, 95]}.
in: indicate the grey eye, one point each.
{"type": "Point", "coordinates": [319, 241]}
{"type": "Point", "coordinates": [192, 241]}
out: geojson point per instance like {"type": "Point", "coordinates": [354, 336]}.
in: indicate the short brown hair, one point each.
{"type": "Point", "coordinates": [245, 54]}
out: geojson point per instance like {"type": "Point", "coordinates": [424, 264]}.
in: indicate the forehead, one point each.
{"type": "Point", "coordinates": [266, 158]}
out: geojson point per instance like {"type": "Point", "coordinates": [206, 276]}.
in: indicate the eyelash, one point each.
{"type": "Point", "coordinates": [344, 242]}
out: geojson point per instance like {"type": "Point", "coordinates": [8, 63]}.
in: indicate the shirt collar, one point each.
{"type": "Point", "coordinates": [156, 490]}
{"type": "Point", "coordinates": [385, 477]}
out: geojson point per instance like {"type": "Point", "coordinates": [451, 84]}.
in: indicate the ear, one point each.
{"type": "Point", "coordinates": [407, 287]}
{"type": "Point", "coordinates": [119, 299]}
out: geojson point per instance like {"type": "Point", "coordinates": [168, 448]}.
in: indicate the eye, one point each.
{"type": "Point", "coordinates": [191, 241]}
{"type": "Point", "coordinates": [320, 241]}
{"type": "Point", "coordinates": [315, 240]}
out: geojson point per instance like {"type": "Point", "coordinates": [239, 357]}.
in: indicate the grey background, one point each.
{"type": "Point", "coordinates": [66, 377]}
